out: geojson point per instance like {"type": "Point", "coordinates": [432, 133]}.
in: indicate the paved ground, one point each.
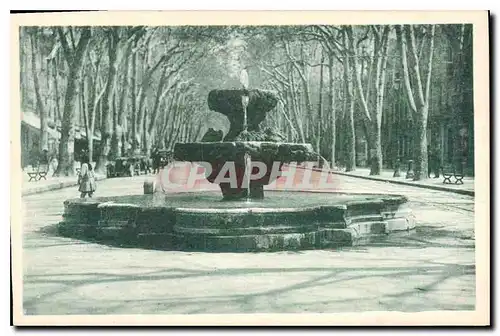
{"type": "Point", "coordinates": [433, 269]}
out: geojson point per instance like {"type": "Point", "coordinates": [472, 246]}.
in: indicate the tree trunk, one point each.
{"type": "Point", "coordinates": [117, 140]}
{"type": "Point", "coordinates": [319, 123]}
{"type": "Point", "coordinates": [85, 112]}
{"type": "Point", "coordinates": [332, 109]}
{"type": "Point", "coordinates": [133, 70]}
{"type": "Point", "coordinates": [420, 104]}
{"type": "Point", "coordinates": [23, 67]}
{"type": "Point", "coordinates": [95, 99]}
{"type": "Point", "coordinates": [295, 105]}
{"type": "Point", "coordinates": [145, 135]}
{"type": "Point", "coordinates": [375, 145]}
{"type": "Point", "coordinates": [420, 141]}
{"type": "Point", "coordinates": [56, 90]}
{"type": "Point", "coordinates": [67, 142]}
{"type": "Point", "coordinates": [372, 117]}
{"type": "Point", "coordinates": [350, 138]}
{"type": "Point", "coordinates": [115, 137]}
{"type": "Point", "coordinates": [107, 99]}
{"type": "Point", "coordinates": [44, 136]}
{"type": "Point", "coordinates": [116, 133]}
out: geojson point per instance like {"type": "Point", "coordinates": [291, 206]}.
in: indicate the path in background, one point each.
{"type": "Point", "coordinates": [49, 182]}
{"type": "Point", "coordinates": [437, 183]}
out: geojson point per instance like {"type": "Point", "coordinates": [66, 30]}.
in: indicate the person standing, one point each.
{"type": "Point", "coordinates": [44, 157]}
{"type": "Point", "coordinates": [92, 180]}
{"type": "Point", "coordinates": [53, 164]}
{"type": "Point", "coordinates": [430, 161]}
{"type": "Point", "coordinates": [86, 181]}
{"type": "Point", "coordinates": [155, 156]}
{"type": "Point", "coordinates": [437, 162]}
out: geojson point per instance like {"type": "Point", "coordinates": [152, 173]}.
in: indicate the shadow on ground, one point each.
{"type": "Point", "coordinates": [435, 273]}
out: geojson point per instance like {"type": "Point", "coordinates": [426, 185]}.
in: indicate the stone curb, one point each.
{"type": "Point", "coordinates": [412, 184]}
{"type": "Point", "coordinates": [54, 186]}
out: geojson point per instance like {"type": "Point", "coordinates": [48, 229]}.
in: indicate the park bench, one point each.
{"type": "Point", "coordinates": [449, 172]}
{"type": "Point", "coordinates": [36, 173]}
{"type": "Point", "coordinates": [32, 173]}
{"type": "Point", "coordinates": [43, 170]}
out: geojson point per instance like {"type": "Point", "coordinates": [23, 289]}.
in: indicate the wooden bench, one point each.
{"type": "Point", "coordinates": [33, 174]}
{"type": "Point", "coordinates": [39, 172]}
{"type": "Point", "coordinates": [449, 172]}
{"type": "Point", "coordinates": [43, 170]}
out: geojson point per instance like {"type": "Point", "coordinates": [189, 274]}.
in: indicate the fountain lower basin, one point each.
{"type": "Point", "coordinates": [200, 221]}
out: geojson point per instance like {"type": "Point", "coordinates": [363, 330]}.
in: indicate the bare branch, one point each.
{"type": "Point", "coordinates": [402, 43]}
{"type": "Point", "coordinates": [429, 67]}
{"type": "Point", "coordinates": [331, 39]}
{"type": "Point", "coordinates": [357, 73]}
{"type": "Point", "coordinates": [275, 77]}
{"type": "Point", "coordinates": [66, 49]}
{"type": "Point", "coordinates": [72, 38]}
{"type": "Point", "coordinates": [409, 32]}
{"type": "Point", "coordinates": [364, 37]}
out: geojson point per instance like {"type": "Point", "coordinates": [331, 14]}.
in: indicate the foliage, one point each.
{"type": "Point", "coordinates": [338, 87]}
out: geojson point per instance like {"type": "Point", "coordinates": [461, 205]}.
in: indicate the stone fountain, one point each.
{"type": "Point", "coordinates": [241, 220]}
{"type": "Point", "coordinates": [245, 142]}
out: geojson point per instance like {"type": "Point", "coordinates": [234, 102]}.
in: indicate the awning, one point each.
{"type": "Point", "coordinates": [32, 120]}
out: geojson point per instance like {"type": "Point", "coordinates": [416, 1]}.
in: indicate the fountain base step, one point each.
{"type": "Point", "coordinates": [200, 221]}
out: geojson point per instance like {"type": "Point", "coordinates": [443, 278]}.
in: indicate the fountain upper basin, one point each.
{"type": "Point", "coordinates": [235, 151]}
{"type": "Point", "coordinates": [271, 156]}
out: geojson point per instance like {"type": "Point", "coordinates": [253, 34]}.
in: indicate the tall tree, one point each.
{"type": "Point", "coordinates": [416, 89]}
{"type": "Point", "coordinates": [372, 113]}
{"type": "Point", "coordinates": [319, 122]}
{"type": "Point", "coordinates": [41, 110]}
{"type": "Point", "coordinates": [350, 135]}
{"type": "Point", "coordinates": [333, 114]}
{"type": "Point", "coordinates": [93, 90]}
{"type": "Point", "coordinates": [113, 38]}
{"type": "Point", "coordinates": [73, 54]}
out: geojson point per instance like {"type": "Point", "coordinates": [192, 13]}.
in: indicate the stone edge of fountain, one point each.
{"type": "Point", "coordinates": [236, 230]}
